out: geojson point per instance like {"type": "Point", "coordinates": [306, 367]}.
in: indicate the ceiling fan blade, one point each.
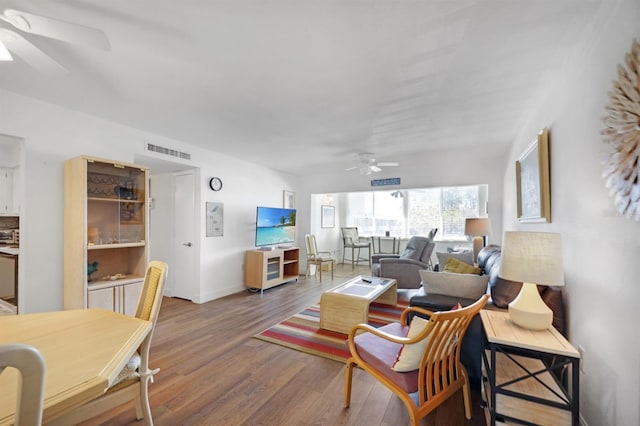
{"type": "Point", "coordinates": [59, 30]}
{"type": "Point", "coordinates": [31, 54]}
{"type": "Point", "coordinates": [389, 164]}
{"type": "Point", "coordinates": [375, 168]}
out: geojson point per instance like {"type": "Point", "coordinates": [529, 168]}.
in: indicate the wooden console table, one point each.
{"type": "Point", "coordinates": [268, 268]}
{"type": "Point", "coordinates": [520, 374]}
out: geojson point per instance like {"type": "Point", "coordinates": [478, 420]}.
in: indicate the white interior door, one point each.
{"type": "Point", "coordinates": [184, 244]}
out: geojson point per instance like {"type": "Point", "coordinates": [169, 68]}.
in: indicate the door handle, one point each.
{"type": "Point", "coordinates": [187, 244]}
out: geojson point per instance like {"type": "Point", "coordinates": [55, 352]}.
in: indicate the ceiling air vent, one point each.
{"type": "Point", "coordinates": [168, 151]}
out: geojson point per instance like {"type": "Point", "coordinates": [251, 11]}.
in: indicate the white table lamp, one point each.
{"type": "Point", "coordinates": [478, 228]}
{"type": "Point", "coordinates": [531, 258]}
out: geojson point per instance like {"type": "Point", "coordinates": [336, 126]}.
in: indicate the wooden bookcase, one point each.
{"type": "Point", "coordinates": [267, 268]}
{"type": "Point", "coordinates": [105, 221]}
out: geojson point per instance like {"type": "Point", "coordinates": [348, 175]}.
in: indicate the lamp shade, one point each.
{"type": "Point", "coordinates": [532, 257]}
{"type": "Point", "coordinates": [477, 226]}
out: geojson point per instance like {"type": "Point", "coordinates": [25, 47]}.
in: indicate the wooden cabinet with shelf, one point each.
{"type": "Point", "coordinates": [106, 224]}
{"type": "Point", "coordinates": [268, 268]}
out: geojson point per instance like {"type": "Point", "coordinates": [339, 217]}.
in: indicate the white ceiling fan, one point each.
{"type": "Point", "coordinates": [13, 42]}
{"type": "Point", "coordinates": [367, 164]}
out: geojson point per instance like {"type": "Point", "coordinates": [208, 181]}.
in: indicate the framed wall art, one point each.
{"type": "Point", "coordinates": [532, 181]}
{"type": "Point", "coordinates": [288, 199]}
{"type": "Point", "coordinates": [328, 217]}
{"type": "Point", "coordinates": [215, 219]}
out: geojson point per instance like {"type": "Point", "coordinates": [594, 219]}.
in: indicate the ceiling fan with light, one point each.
{"type": "Point", "coordinates": [12, 41]}
{"type": "Point", "coordinates": [367, 164]}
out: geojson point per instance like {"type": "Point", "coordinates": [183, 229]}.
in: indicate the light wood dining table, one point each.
{"type": "Point", "coordinates": [84, 350]}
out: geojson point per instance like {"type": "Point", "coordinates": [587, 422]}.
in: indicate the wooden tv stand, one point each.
{"type": "Point", "coordinates": [268, 268]}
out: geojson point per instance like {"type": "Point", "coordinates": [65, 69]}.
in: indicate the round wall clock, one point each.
{"type": "Point", "coordinates": [215, 183]}
{"type": "Point", "coordinates": [622, 135]}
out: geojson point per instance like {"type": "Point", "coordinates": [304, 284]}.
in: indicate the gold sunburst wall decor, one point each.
{"type": "Point", "coordinates": [622, 135]}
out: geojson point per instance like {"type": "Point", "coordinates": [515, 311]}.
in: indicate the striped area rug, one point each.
{"type": "Point", "coordinates": [302, 331]}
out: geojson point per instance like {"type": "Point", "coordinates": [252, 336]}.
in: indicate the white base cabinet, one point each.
{"type": "Point", "coordinates": [120, 298]}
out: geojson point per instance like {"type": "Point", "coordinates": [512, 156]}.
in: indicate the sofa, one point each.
{"type": "Point", "coordinates": [442, 297]}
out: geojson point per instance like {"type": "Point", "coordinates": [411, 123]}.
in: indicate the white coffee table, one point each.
{"type": "Point", "coordinates": [346, 305]}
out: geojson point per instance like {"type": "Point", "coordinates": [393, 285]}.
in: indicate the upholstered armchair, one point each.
{"type": "Point", "coordinates": [404, 267]}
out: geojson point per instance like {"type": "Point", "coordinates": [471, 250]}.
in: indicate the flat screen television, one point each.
{"type": "Point", "coordinates": [275, 226]}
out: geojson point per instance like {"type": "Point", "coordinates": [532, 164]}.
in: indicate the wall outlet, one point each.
{"type": "Point", "coordinates": [582, 352]}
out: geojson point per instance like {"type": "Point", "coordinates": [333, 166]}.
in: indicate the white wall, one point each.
{"type": "Point", "coordinates": [447, 168]}
{"type": "Point", "coordinates": [161, 220]}
{"type": "Point", "coordinates": [601, 249]}
{"type": "Point", "coordinates": [53, 134]}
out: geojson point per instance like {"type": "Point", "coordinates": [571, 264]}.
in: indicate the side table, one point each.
{"type": "Point", "coordinates": [524, 374]}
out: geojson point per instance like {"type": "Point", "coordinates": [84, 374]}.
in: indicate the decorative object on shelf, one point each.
{"type": "Point", "coordinates": [93, 235]}
{"type": "Point", "coordinates": [114, 277]}
{"type": "Point", "coordinates": [531, 258]}
{"type": "Point", "coordinates": [622, 135]}
{"type": "Point", "coordinates": [215, 219]}
{"type": "Point", "coordinates": [106, 186]}
{"type": "Point", "coordinates": [532, 181]}
{"type": "Point", "coordinates": [91, 268]}
{"type": "Point", "coordinates": [126, 191]}
{"type": "Point", "coordinates": [130, 212]}
{"type": "Point", "coordinates": [288, 199]}
{"type": "Point", "coordinates": [215, 183]}
{"type": "Point", "coordinates": [328, 217]}
{"type": "Point", "coordinates": [478, 228]}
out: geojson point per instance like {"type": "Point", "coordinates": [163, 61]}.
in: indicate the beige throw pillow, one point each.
{"type": "Point", "coordinates": [410, 355]}
{"type": "Point", "coordinates": [469, 286]}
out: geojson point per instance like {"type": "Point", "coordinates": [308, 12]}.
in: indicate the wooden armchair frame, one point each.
{"type": "Point", "coordinates": [440, 374]}
{"type": "Point", "coordinates": [135, 387]}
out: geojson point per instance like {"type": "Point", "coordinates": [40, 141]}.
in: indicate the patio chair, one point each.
{"type": "Point", "coordinates": [352, 240]}
{"type": "Point", "coordinates": [317, 258]}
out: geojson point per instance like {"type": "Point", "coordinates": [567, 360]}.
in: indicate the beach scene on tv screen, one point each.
{"type": "Point", "coordinates": [275, 226]}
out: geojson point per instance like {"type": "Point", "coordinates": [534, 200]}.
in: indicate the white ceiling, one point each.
{"type": "Point", "coordinates": [305, 85]}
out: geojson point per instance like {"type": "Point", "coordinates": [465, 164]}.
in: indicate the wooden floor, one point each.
{"type": "Point", "coordinates": [212, 372]}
